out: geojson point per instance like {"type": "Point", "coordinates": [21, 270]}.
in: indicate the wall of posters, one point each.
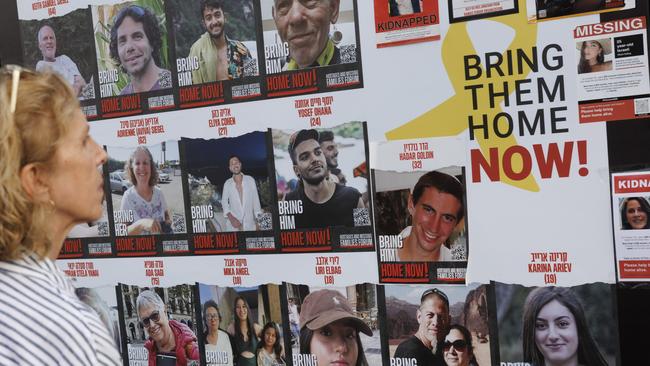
{"type": "Point", "coordinates": [273, 151]}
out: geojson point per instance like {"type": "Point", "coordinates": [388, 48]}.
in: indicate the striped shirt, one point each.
{"type": "Point", "coordinates": [43, 323]}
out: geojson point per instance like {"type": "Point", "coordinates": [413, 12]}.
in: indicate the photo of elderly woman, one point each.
{"type": "Point", "coordinates": [552, 326]}
{"type": "Point", "coordinates": [634, 213]}
{"type": "Point", "coordinates": [232, 331]}
{"type": "Point", "coordinates": [147, 193]}
{"type": "Point", "coordinates": [161, 325]}
{"type": "Point", "coordinates": [593, 55]}
{"type": "Point", "coordinates": [336, 325]}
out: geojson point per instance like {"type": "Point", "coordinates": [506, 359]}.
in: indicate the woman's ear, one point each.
{"type": "Point", "coordinates": [34, 181]}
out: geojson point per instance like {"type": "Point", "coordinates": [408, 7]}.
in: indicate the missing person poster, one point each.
{"type": "Point", "coordinates": [216, 51]}
{"type": "Point", "coordinates": [242, 325]}
{"type": "Point", "coordinates": [64, 44]}
{"type": "Point", "coordinates": [630, 213]}
{"type": "Point", "coordinates": [420, 211]}
{"type": "Point", "coordinates": [333, 325]}
{"type": "Point", "coordinates": [464, 10]}
{"type": "Point", "coordinates": [324, 57]}
{"type": "Point", "coordinates": [133, 57]}
{"type": "Point", "coordinates": [437, 325]}
{"type": "Point", "coordinates": [153, 315]}
{"type": "Point", "coordinates": [552, 9]}
{"type": "Point", "coordinates": [399, 22]}
{"type": "Point", "coordinates": [232, 193]}
{"type": "Point", "coordinates": [147, 199]}
{"type": "Point", "coordinates": [543, 325]}
{"type": "Point", "coordinates": [323, 191]}
{"type": "Point", "coordinates": [612, 64]}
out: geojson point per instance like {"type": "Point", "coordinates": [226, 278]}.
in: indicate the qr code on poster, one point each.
{"type": "Point", "coordinates": [361, 217]}
{"type": "Point", "coordinates": [102, 228]}
{"type": "Point", "coordinates": [642, 106]}
{"type": "Point", "coordinates": [348, 54]}
{"type": "Point", "coordinates": [264, 221]}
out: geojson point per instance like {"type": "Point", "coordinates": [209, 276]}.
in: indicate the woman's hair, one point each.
{"type": "Point", "coordinates": [249, 323]}
{"type": "Point", "coordinates": [128, 167]}
{"type": "Point", "coordinates": [45, 105]}
{"type": "Point", "coordinates": [209, 304]}
{"type": "Point", "coordinates": [645, 206]}
{"type": "Point", "coordinates": [277, 346]}
{"type": "Point", "coordinates": [151, 298]}
{"type": "Point", "coordinates": [583, 65]}
{"type": "Point", "coordinates": [467, 337]}
{"type": "Point", "coordinates": [588, 353]}
{"type": "Point", "coordinates": [150, 25]}
{"type": "Point", "coordinates": [306, 335]}
{"type": "Point", "coordinates": [91, 298]}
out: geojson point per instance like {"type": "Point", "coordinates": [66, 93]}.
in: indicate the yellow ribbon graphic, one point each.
{"type": "Point", "coordinates": [450, 118]}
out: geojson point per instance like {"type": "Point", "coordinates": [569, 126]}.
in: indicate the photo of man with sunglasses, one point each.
{"type": "Point", "coordinates": [169, 342]}
{"type": "Point", "coordinates": [434, 320]}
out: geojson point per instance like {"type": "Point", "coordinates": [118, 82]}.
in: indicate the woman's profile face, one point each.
{"type": "Point", "coordinates": [456, 354]}
{"type": "Point", "coordinates": [636, 216]}
{"type": "Point", "coordinates": [241, 310]}
{"type": "Point", "coordinates": [269, 337]}
{"type": "Point", "coordinates": [212, 318]}
{"type": "Point", "coordinates": [75, 182]}
{"type": "Point", "coordinates": [591, 50]}
{"type": "Point", "coordinates": [335, 344]}
{"type": "Point", "coordinates": [141, 167]}
{"type": "Point", "coordinates": [556, 334]}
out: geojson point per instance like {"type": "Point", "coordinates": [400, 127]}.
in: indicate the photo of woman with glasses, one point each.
{"type": "Point", "coordinates": [218, 349]}
{"type": "Point", "coordinates": [170, 342]}
{"type": "Point", "coordinates": [555, 330]}
{"type": "Point", "coordinates": [634, 213]}
{"type": "Point", "coordinates": [457, 348]}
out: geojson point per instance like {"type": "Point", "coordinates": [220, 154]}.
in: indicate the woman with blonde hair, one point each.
{"type": "Point", "coordinates": [50, 180]}
{"type": "Point", "coordinates": [144, 201]}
